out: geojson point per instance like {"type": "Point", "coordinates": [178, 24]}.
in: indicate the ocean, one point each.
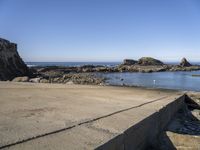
{"type": "Point", "coordinates": [70, 64]}
{"type": "Point", "coordinates": [180, 80]}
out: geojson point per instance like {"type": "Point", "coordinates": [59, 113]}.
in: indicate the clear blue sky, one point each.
{"type": "Point", "coordinates": [102, 30]}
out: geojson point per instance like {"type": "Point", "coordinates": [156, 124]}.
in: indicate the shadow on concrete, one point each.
{"type": "Point", "coordinates": [191, 104]}
{"type": "Point", "coordinates": [185, 122]}
{"type": "Point", "coordinates": [181, 130]}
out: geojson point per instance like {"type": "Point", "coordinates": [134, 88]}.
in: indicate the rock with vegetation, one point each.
{"type": "Point", "coordinates": [11, 64]}
{"type": "Point", "coordinates": [185, 63]}
{"type": "Point", "coordinates": [146, 61]}
{"type": "Point", "coordinates": [129, 62]}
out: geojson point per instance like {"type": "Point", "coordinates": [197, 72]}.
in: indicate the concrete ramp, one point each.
{"type": "Point", "coordinates": [45, 116]}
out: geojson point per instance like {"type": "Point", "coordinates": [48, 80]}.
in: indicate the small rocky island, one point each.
{"type": "Point", "coordinates": [13, 68]}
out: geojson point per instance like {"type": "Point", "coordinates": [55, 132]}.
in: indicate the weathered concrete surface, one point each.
{"type": "Point", "coordinates": [52, 116]}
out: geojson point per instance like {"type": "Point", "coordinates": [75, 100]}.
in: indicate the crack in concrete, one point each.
{"type": "Point", "coordinates": [79, 124]}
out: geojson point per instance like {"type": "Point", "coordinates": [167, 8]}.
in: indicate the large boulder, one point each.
{"type": "Point", "coordinates": [129, 62]}
{"type": "Point", "coordinates": [21, 79]}
{"type": "Point", "coordinates": [185, 63]}
{"type": "Point", "coordinates": [34, 80]}
{"type": "Point", "coordinates": [11, 65]}
{"type": "Point", "coordinates": [145, 61]}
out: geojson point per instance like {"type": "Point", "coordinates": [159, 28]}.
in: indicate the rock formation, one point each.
{"type": "Point", "coordinates": [146, 61]}
{"type": "Point", "coordinates": [11, 65]}
{"type": "Point", "coordinates": [129, 62]}
{"type": "Point", "coordinates": [185, 63]}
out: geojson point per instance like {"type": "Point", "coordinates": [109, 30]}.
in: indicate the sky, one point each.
{"type": "Point", "coordinates": [102, 30]}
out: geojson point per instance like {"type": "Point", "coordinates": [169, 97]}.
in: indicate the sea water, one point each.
{"type": "Point", "coordinates": [180, 80]}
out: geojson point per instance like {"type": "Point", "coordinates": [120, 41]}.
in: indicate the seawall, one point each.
{"type": "Point", "coordinates": [146, 133]}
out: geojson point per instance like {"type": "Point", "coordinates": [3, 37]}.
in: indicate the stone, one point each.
{"type": "Point", "coordinates": [11, 64]}
{"type": "Point", "coordinates": [146, 61]}
{"type": "Point", "coordinates": [185, 63]}
{"type": "Point", "coordinates": [35, 80]}
{"type": "Point", "coordinates": [21, 79]}
{"type": "Point", "coordinates": [129, 62]}
{"type": "Point", "coordinates": [69, 83]}
{"type": "Point", "coordinates": [44, 81]}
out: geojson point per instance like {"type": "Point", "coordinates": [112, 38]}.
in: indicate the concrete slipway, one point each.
{"type": "Point", "coordinates": [60, 117]}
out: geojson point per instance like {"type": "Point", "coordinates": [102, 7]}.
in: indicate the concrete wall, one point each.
{"type": "Point", "coordinates": [146, 133]}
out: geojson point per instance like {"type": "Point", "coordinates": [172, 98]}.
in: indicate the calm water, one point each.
{"type": "Point", "coordinates": [167, 80]}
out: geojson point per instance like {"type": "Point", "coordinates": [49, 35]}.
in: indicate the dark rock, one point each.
{"type": "Point", "coordinates": [145, 61]}
{"type": "Point", "coordinates": [185, 63]}
{"type": "Point", "coordinates": [129, 62]}
{"type": "Point", "coordinates": [88, 66]}
{"type": "Point", "coordinates": [11, 65]}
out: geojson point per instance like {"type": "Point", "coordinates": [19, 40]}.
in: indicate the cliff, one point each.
{"type": "Point", "coordinates": [11, 64]}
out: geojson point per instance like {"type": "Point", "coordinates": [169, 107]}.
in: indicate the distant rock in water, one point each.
{"type": "Point", "coordinates": [11, 65]}
{"type": "Point", "coordinates": [129, 62]}
{"type": "Point", "coordinates": [185, 63]}
{"type": "Point", "coordinates": [145, 61]}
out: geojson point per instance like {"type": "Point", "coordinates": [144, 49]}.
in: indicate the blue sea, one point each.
{"type": "Point", "coordinates": [180, 80]}
{"type": "Point", "coordinates": [70, 64]}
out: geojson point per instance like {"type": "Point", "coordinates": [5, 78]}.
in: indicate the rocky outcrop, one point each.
{"type": "Point", "coordinates": [21, 79]}
{"type": "Point", "coordinates": [146, 61]}
{"type": "Point", "coordinates": [185, 63]}
{"type": "Point", "coordinates": [75, 78]}
{"type": "Point", "coordinates": [129, 62]}
{"type": "Point", "coordinates": [11, 65]}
